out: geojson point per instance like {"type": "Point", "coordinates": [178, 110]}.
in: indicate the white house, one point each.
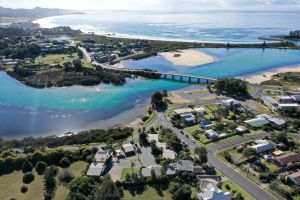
{"type": "Point", "coordinates": [262, 146]}
{"type": "Point", "coordinates": [210, 191]}
{"type": "Point", "coordinates": [270, 102]}
{"type": "Point", "coordinates": [211, 134]}
{"type": "Point", "coordinates": [188, 118]}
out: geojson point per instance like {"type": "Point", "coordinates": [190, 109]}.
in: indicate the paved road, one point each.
{"type": "Point", "coordinates": [254, 190]}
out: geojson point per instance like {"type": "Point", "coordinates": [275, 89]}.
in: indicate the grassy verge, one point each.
{"type": "Point", "coordinates": [129, 171]}
{"type": "Point", "coordinates": [10, 185]}
{"type": "Point", "coordinates": [234, 187]}
{"type": "Point", "coordinates": [151, 119]}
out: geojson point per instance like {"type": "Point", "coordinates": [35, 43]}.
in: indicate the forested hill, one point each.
{"type": "Point", "coordinates": [33, 13]}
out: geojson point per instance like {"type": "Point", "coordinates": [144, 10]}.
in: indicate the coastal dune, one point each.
{"type": "Point", "coordinates": [188, 58]}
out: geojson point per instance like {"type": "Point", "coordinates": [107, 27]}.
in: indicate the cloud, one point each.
{"type": "Point", "coordinates": [155, 4]}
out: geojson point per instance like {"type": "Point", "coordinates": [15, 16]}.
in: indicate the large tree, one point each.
{"type": "Point", "coordinates": [201, 152]}
{"type": "Point", "coordinates": [27, 166]}
{"type": "Point", "coordinates": [107, 190]}
{"type": "Point", "coordinates": [49, 183]}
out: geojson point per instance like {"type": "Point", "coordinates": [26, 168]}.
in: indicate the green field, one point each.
{"type": "Point", "coordinates": [129, 171]}
{"type": "Point", "coordinates": [10, 185]}
{"type": "Point", "coordinates": [59, 59]}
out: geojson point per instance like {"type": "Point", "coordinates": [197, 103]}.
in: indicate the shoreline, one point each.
{"type": "Point", "coordinates": [188, 58]}
{"type": "Point", "coordinates": [267, 75]}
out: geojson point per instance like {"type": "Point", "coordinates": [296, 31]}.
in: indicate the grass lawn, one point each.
{"type": "Point", "coordinates": [169, 114]}
{"type": "Point", "coordinates": [158, 192]}
{"type": "Point", "coordinates": [10, 185]}
{"type": "Point", "coordinates": [151, 119]}
{"type": "Point", "coordinates": [129, 171]}
{"type": "Point", "coordinates": [60, 59]}
{"type": "Point", "coordinates": [234, 187]}
{"type": "Point", "coordinates": [272, 92]}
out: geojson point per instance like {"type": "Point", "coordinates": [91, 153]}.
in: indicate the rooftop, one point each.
{"type": "Point", "coordinates": [96, 169]}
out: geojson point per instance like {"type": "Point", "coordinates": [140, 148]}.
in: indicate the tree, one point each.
{"type": "Point", "coordinates": [49, 183]}
{"type": "Point", "coordinates": [40, 167]}
{"type": "Point", "coordinates": [27, 166]}
{"type": "Point", "coordinates": [107, 190]}
{"type": "Point", "coordinates": [201, 152]}
{"type": "Point", "coordinates": [28, 177]}
{"type": "Point", "coordinates": [64, 162]}
{"type": "Point", "coordinates": [157, 101]}
{"type": "Point", "coordinates": [65, 176]}
{"type": "Point", "coordinates": [80, 54]}
{"type": "Point", "coordinates": [80, 188]}
{"type": "Point", "coordinates": [24, 189]}
{"type": "Point", "coordinates": [248, 152]}
{"type": "Point", "coordinates": [143, 138]}
{"type": "Point", "coordinates": [280, 138]}
{"type": "Point", "coordinates": [237, 196]}
{"type": "Point", "coordinates": [77, 64]}
{"type": "Point", "coordinates": [180, 192]}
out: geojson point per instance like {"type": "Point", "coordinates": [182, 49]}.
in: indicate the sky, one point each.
{"type": "Point", "coordinates": [157, 4]}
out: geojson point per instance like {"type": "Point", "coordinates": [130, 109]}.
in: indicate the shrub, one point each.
{"type": "Point", "coordinates": [66, 176]}
{"type": "Point", "coordinates": [27, 167]}
{"type": "Point", "coordinates": [64, 162]}
{"type": "Point", "coordinates": [227, 187]}
{"type": "Point", "coordinates": [40, 167]}
{"type": "Point", "coordinates": [24, 189]}
{"type": "Point", "coordinates": [28, 177]}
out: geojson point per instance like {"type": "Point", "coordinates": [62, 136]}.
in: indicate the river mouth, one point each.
{"type": "Point", "coordinates": [26, 111]}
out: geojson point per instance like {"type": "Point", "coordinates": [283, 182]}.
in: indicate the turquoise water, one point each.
{"type": "Point", "coordinates": [228, 62]}
{"type": "Point", "coordinates": [28, 111]}
{"type": "Point", "coordinates": [194, 26]}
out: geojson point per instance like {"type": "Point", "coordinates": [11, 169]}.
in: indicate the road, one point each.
{"type": "Point", "coordinates": [254, 190]}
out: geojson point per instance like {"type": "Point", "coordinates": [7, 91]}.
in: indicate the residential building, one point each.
{"type": "Point", "coordinates": [206, 123]}
{"type": "Point", "coordinates": [209, 191]}
{"type": "Point", "coordinates": [198, 170]}
{"type": "Point", "coordinates": [294, 178]}
{"type": "Point", "coordinates": [96, 169]}
{"type": "Point", "coordinates": [184, 166]}
{"type": "Point", "coordinates": [189, 118]}
{"type": "Point", "coordinates": [128, 149]}
{"type": "Point", "coordinates": [211, 134]}
{"type": "Point", "coordinates": [147, 172]}
{"type": "Point", "coordinates": [231, 103]}
{"type": "Point", "coordinates": [169, 154]}
{"type": "Point", "coordinates": [277, 153]}
{"type": "Point", "coordinates": [241, 130]}
{"type": "Point", "coordinates": [287, 158]}
{"type": "Point", "coordinates": [270, 102]}
{"type": "Point", "coordinates": [296, 98]}
{"type": "Point", "coordinates": [262, 146]}
{"type": "Point", "coordinates": [153, 137]}
{"type": "Point", "coordinates": [288, 106]}
{"type": "Point", "coordinates": [257, 122]}
{"type": "Point", "coordinates": [183, 111]}
{"type": "Point", "coordinates": [102, 156]}
{"type": "Point", "coordinates": [285, 99]}
{"type": "Point", "coordinates": [200, 111]}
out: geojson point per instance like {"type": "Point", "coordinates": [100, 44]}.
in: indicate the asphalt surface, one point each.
{"type": "Point", "coordinates": [254, 190]}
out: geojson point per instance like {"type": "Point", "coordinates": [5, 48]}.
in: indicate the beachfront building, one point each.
{"type": "Point", "coordinates": [128, 149]}
{"type": "Point", "coordinates": [209, 191]}
{"type": "Point", "coordinates": [288, 106]}
{"type": "Point", "coordinates": [183, 111]}
{"type": "Point", "coordinates": [101, 160]}
{"type": "Point", "coordinates": [285, 99]}
{"type": "Point", "coordinates": [262, 146]}
{"type": "Point", "coordinates": [231, 103]}
{"type": "Point", "coordinates": [271, 103]}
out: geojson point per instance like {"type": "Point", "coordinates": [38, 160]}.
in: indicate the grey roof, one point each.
{"type": "Point", "coordinates": [146, 172]}
{"type": "Point", "coordinates": [171, 169]}
{"type": "Point", "coordinates": [96, 169]}
{"type": "Point", "coordinates": [185, 165]}
{"type": "Point", "coordinates": [270, 100]}
{"type": "Point", "coordinates": [198, 170]}
{"type": "Point", "coordinates": [128, 148]}
{"type": "Point", "coordinates": [101, 156]}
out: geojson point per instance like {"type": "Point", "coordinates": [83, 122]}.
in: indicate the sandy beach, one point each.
{"type": "Point", "coordinates": [267, 75]}
{"type": "Point", "coordinates": [188, 58]}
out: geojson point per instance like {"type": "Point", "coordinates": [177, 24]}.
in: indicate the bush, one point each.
{"type": "Point", "coordinates": [40, 167]}
{"type": "Point", "coordinates": [66, 176]}
{"type": "Point", "coordinates": [24, 189]}
{"type": "Point", "coordinates": [28, 178]}
{"type": "Point", "coordinates": [64, 162]}
{"type": "Point", "coordinates": [227, 187]}
{"type": "Point", "coordinates": [27, 167]}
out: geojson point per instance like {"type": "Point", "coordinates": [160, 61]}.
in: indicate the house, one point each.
{"type": "Point", "coordinates": [96, 169]}
{"type": "Point", "coordinates": [128, 149]}
{"type": "Point", "coordinates": [211, 134]}
{"type": "Point", "coordinates": [277, 153]}
{"type": "Point", "coordinates": [294, 178]}
{"type": "Point", "coordinates": [285, 99]}
{"type": "Point", "coordinates": [171, 169]}
{"type": "Point", "coordinates": [209, 191]}
{"type": "Point", "coordinates": [287, 158]}
{"type": "Point", "coordinates": [241, 130]}
{"type": "Point", "coordinates": [184, 166]}
{"type": "Point", "coordinates": [183, 111]}
{"type": "Point", "coordinates": [147, 172]}
{"type": "Point", "coordinates": [288, 106]}
{"type": "Point", "coordinates": [296, 98]}
{"type": "Point", "coordinates": [198, 170]}
{"type": "Point", "coordinates": [206, 123]}
{"type": "Point", "coordinates": [153, 137]}
{"type": "Point", "coordinates": [278, 122]}
{"type": "Point", "coordinates": [231, 103]}
{"type": "Point", "coordinates": [270, 102]}
{"type": "Point", "coordinates": [102, 156]}
{"type": "Point", "coordinates": [169, 154]}
{"type": "Point", "coordinates": [188, 118]}
{"type": "Point", "coordinates": [262, 146]}
{"type": "Point", "coordinates": [200, 111]}
{"type": "Point", "coordinates": [257, 122]}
